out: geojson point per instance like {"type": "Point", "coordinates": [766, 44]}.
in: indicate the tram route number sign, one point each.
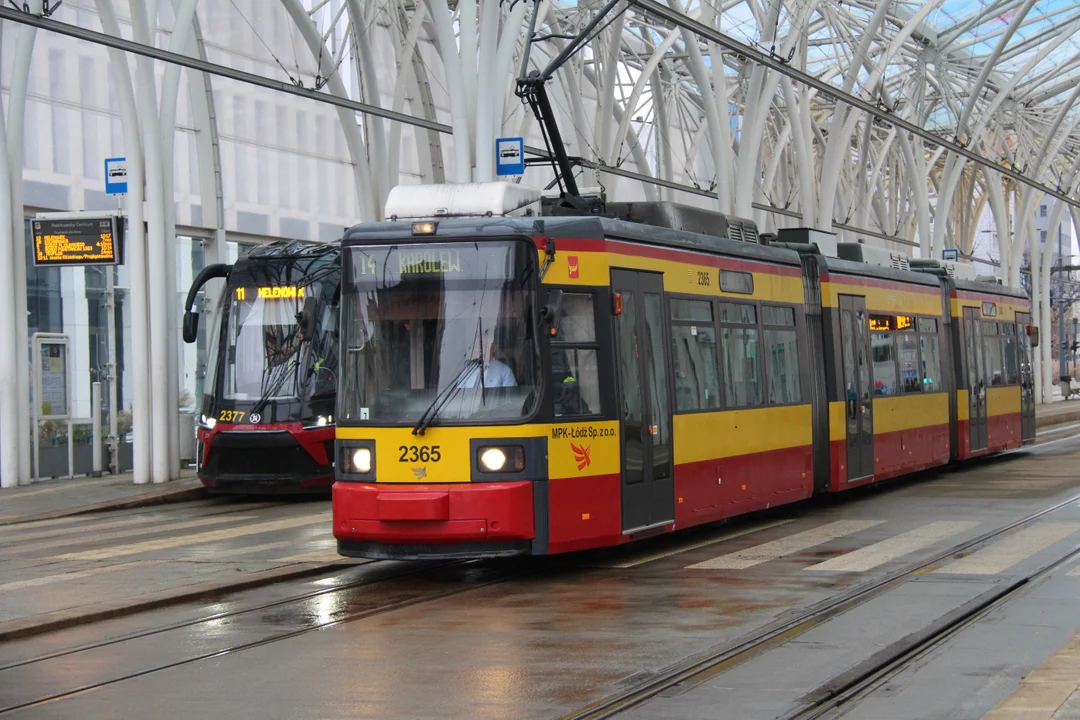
{"type": "Point", "coordinates": [78, 241]}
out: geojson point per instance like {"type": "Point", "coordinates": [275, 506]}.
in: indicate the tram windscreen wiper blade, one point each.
{"type": "Point", "coordinates": [444, 397]}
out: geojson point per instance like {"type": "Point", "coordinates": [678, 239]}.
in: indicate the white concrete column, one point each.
{"type": "Point", "coordinates": [11, 426]}
{"type": "Point", "coordinates": [20, 79]}
{"type": "Point", "coordinates": [156, 248]}
{"type": "Point", "coordinates": [139, 339]}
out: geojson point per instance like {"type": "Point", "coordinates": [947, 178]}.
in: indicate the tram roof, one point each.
{"type": "Point", "coordinates": [576, 227]}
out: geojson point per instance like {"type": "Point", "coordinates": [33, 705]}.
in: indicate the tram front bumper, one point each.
{"type": "Point", "coordinates": [443, 514]}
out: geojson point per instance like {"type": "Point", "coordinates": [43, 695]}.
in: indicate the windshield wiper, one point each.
{"type": "Point", "coordinates": [444, 397]}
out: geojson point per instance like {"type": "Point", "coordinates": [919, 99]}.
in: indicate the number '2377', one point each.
{"type": "Point", "coordinates": [421, 453]}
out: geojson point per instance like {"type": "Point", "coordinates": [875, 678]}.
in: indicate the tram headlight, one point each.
{"type": "Point", "coordinates": [501, 459]}
{"type": "Point", "coordinates": [361, 461]}
{"type": "Point", "coordinates": [207, 422]}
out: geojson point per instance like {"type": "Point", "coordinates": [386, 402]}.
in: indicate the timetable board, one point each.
{"type": "Point", "coordinates": [78, 241]}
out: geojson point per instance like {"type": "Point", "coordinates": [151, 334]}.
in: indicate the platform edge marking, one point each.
{"type": "Point", "coordinates": [879, 553]}
{"type": "Point", "coordinates": [789, 545]}
{"type": "Point", "coordinates": [1045, 689]}
{"type": "Point", "coordinates": [1003, 554]}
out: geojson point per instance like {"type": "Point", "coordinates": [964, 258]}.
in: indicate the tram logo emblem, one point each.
{"type": "Point", "coordinates": [573, 266]}
{"type": "Point", "coordinates": [255, 418]}
{"type": "Point", "coordinates": [582, 455]}
{"type": "Point", "coordinates": [420, 472]}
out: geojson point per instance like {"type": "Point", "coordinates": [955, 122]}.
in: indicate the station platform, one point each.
{"type": "Point", "coordinates": [50, 499]}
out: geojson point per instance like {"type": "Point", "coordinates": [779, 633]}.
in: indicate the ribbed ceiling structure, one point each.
{"type": "Point", "coordinates": [1000, 78]}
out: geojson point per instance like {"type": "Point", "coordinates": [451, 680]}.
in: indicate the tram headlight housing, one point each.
{"type": "Point", "coordinates": [207, 422]}
{"type": "Point", "coordinates": [501, 459]}
{"type": "Point", "coordinates": [356, 460]}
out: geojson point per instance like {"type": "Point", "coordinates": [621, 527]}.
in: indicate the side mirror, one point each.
{"type": "Point", "coordinates": [306, 319]}
{"type": "Point", "coordinates": [1033, 333]}
{"type": "Point", "coordinates": [552, 312]}
{"type": "Point", "coordinates": [191, 326]}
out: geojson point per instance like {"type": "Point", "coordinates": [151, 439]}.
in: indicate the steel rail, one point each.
{"type": "Point", "coordinates": [852, 687]}
{"type": "Point", "coordinates": [215, 617]}
{"type": "Point", "coordinates": [499, 577]}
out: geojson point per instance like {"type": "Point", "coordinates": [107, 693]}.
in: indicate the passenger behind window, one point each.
{"type": "Point", "coordinates": [574, 382]}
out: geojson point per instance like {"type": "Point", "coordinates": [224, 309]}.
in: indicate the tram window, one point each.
{"type": "Point", "coordinates": [994, 358]}
{"type": "Point", "coordinates": [574, 379]}
{"type": "Point", "coordinates": [742, 366]}
{"type": "Point", "coordinates": [697, 378]}
{"type": "Point", "coordinates": [931, 364]}
{"type": "Point", "coordinates": [700, 310]}
{"type": "Point", "coordinates": [732, 281]}
{"type": "Point", "coordinates": [574, 382]}
{"type": "Point", "coordinates": [883, 358]}
{"type": "Point", "coordinates": [578, 322]}
{"type": "Point", "coordinates": [781, 355]}
{"type": "Point", "coordinates": [1012, 365]}
{"type": "Point", "coordinates": [783, 316]}
{"type": "Point", "coordinates": [782, 365]}
{"type": "Point", "coordinates": [927, 325]}
{"type": "Point", "coordinates": [908, 354]}
{"type": "Point", "coordinates": [738, 313]}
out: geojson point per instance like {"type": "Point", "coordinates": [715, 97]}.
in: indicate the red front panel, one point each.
{"type": "Point", "coordinates": [584, 513]}
{"type": "Point", "coordinates": [435, 514]}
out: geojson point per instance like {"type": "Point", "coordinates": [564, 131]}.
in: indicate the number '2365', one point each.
{"type": "Point", "coordinates": [421, 453]}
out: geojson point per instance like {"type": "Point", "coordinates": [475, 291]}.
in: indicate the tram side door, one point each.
{"type": "Point", "coordinates": [1027, 378]}
{"type": "Point", "coordinates": [975, 365]}
{"type": "Point", "coordinates": [648, 481]}
{"type": "Point", "coordinates": [858, 399]}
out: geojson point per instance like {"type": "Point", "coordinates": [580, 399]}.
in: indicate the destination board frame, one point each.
{"type": "Point", "coordinates": [85, 231]}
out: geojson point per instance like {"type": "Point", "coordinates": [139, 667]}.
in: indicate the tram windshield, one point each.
{"type": "Point", "coordinates": [265, 364]}
{"type": "Point", "coordinates": [441, 329]}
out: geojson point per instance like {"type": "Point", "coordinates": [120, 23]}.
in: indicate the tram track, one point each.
{"type": "Point", "coordinates": [396, 599]}
{"type": "Point", "coordinates": [842, 692]}
{"type": "Point", "coordinates": [698, 668]}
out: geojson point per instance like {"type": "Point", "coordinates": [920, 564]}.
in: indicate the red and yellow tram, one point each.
{"type": "Point", "coordinates": [544, 384]}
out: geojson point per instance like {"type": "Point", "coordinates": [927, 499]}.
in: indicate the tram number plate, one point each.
{"type": "Point", "coordinates": [703, 278]}
{"type": "Point", "coordinates": [232, 416]}
{"type": "Point", "coordinates": [419, 453]}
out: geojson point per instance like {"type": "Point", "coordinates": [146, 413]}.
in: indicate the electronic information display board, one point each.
{"type": "Point", "coordinates": [77, 241]}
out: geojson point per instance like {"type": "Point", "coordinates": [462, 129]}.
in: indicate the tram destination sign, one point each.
{"type": "Point", "coordinates": [77, 241]}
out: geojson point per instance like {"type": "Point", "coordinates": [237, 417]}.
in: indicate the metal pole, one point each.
{"type": "Point", "coordinates": [71, 446]}
{"type": "Point", "coordinates": [1072, 353]}
{"type": "Point", "coordinates": [35, 369]}
{"type": "Point", "coordinates": [95, 425]}
{"type": "Point", "coordinates": [111, 369]}
{"type": "Point", "coordinates": [1062, 371]}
